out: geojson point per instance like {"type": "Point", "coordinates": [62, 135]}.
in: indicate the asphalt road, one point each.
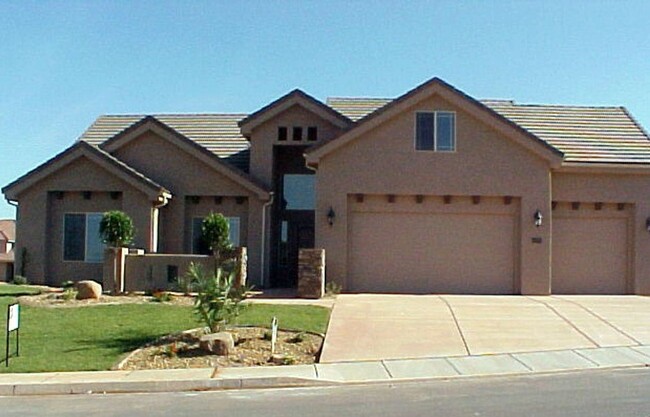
{"type": "Point", "coordinates": [611, 393]}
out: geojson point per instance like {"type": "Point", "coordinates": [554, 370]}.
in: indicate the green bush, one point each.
{"type": "Point", "coordinates": [69, 294]}
{"type": "Point", "coordinates": [67, 284]}
{"type": "Point", "coordinates": [116, 229]}
{"type": "Point", "coordinates": [218, 300]}
{"type": "Point", "coordinates": [19, 280]}
{"type": "Point", "coordinates": [215, 233]}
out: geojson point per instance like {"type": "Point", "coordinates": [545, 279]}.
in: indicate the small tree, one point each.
{"type": "Point", "coordinates": [116, 229]}
{"type": "Point", "coordinates": [218, 300]}
{"type": "Point", "coordinates": [215, 232]}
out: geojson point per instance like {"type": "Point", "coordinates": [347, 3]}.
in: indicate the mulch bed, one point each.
{"type": "Point", "coordinates": [252, 348]}
{"type": "Point", "coordinates": [56, 299]}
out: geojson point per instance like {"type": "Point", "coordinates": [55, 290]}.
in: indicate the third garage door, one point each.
{"type": "Point", "coordinates": [590, 248]}
{"type": "Point", "coordinates": [407, 244]}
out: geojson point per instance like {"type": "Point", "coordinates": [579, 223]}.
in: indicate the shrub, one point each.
{"type": "Point", "coordinates": [218, 300]}
{"type": "Point", "coordinates": [332, 289]}
{"type": "Point", "coordinates": [297, 338]}
{"type": "Point", "coordinates": [69, 294]}
{"type": "Point", "coordinates": [116, 229]}
{"type": "Point", "coordinates": [67, 284]}
{"type": "Point", "coordinates": [19, 280]}
{"type": "Point", "coordinates": [215, 233]}
{"type": "Point", "coordinates": [161, 297]}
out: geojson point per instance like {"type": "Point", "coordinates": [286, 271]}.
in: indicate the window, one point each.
{"type": "Point", "coordinates": [297, 133]}
{"type": "Point", "coordinates": [282, 133]}
{"type": "Point", "coordinates": [81, 239]}
{"type": "Point", "coordinates": [312, 134]}
{"type": "Point", "coordinates": [435, 131]}
{"type": "Point", "coordinates": [200, 247]}
{"type": "Point", "coordinates": [298, 192]}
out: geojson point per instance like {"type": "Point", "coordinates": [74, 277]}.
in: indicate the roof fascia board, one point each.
{"type": "Point", "coordinates": [454, 96]}
{"type": "Point", "coordinates": [603, 168]}
{"type": "Point", "coordinates": [152, 124]}
{"type": "Point", "coordinates": [80, 149]}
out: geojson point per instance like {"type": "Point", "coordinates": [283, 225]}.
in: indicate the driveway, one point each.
{"type": "Point", "coordinates": [373, 326]}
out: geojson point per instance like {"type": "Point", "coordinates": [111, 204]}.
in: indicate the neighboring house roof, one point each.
{"type": "Point", "coordinates": [449, 93]}
{"type": "Point", "coordinates": [109, 162]}
{"type": "Point", "coordinates": [583, 133]}
{"type": "Point", "coordinates": [218, 133]}
{"type": "Point", "coordinates": [152, 123]}
{"type": "Point", "coordinates": [8, 229]}
{"type": "Point", "coordinates": [295, 97]}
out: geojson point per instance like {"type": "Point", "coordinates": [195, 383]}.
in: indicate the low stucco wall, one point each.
{"type": "Point", "coordinates": [156, 271]}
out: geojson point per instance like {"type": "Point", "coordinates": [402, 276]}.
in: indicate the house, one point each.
{"type": "Point", "coordinates": [433, 191]}
{"type": "Point", "coordinates": [7, 240]}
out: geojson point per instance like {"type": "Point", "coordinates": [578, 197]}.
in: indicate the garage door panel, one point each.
{"type": "Point", "coordinates": [589, 255]}
{"type": "Point", "coordinates": [432, 252]}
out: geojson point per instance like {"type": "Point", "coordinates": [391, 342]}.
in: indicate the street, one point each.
{"type": "Point", "coordinates": [624, 392]}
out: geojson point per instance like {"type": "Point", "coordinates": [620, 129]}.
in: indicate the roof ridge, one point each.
{"type": "Point", "coordinates": [582, 106]}
{"type": "Point", "coordinates": [636, 122]}
{"type": "Point", "coordinates": [172, 114]}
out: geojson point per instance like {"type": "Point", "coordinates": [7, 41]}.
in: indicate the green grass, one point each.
{"type": "Point", "coordinates": [17, 290]}
{"type": "Point", "coordinates": [94, 338]}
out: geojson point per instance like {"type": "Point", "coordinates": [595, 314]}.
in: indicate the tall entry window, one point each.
{"type": "Point", "coordinates": [81, 239]}
{"type": "Point", "coordinates": [298, 192]}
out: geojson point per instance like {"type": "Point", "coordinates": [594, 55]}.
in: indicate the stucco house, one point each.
{"type": "Point", "coordinates": [7, 240]}
{"type": "Point", "coordinates": [430, 192]}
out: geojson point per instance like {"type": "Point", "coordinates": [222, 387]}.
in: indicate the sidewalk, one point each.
{"type": "Point", "coordinates": [377, 371]}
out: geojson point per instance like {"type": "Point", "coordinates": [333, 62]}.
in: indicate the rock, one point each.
{"type": "Point", "coordinates": [218, 343]}
{"type": "Point", "coordinates": [88, 289]}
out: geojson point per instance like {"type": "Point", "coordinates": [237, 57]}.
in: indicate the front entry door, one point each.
{"type": "Point", "coordinates": [296, 232]}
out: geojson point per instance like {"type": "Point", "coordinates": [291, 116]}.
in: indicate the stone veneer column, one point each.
{"type": "Point", "coordinates": [311, 273]}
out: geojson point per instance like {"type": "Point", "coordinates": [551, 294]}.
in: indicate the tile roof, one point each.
{"type": "Point", "coordinates": [582, 133]}
{"type": "Point", "coordinates": [218, 133]}
{"type": "Point", "coordinates": [8, 228]}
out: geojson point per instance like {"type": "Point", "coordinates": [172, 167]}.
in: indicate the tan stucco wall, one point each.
{"type": "Point", "coordinates": [265, 137]}
{"type": "Point", "coordinates": [186, 175]}
{"type": "Point", "coordinates": [612, 188]}
{"type": "Point", "coordinates": [149, 272]}
{"type": "Point", "coordinates": [40, 218]}
{"type": "Point", "coordinates": [384, 161]}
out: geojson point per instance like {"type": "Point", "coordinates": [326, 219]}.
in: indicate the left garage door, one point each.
{"type": "Point", "coordinates": [432, 247]}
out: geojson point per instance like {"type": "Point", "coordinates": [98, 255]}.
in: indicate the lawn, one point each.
{"type": "Point", "coordinates": [95, 337]}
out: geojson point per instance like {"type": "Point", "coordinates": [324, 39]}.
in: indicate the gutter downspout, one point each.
{"type": "Point", "coordinates": [263, 251]}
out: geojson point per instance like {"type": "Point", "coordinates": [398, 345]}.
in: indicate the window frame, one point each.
{"type": "Point", "coordinates": [85, 239]}
{"type": "Point", "coordinates": [435, 131]}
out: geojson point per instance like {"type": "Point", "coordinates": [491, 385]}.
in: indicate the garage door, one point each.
{"type": "Point", "coordinates": [427, 245]}
{"type": "Point", "coordinates": [590, 249]}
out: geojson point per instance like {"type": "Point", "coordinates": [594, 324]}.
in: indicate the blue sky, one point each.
{"type": "Point", "coordinates": [64, 63]}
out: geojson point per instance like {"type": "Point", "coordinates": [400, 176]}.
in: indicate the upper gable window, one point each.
{"type": "Point", "coordinates": [312, 133]}
{"type": "Point", "coordinates": [297, 133]}
{"type": "Point", "coordinates": [282, 133]}
{"type": "Point", "coordinates": [435, 131]}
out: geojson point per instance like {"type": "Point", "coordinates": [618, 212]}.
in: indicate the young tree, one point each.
{"type": "Point", "coordinates": [215, 233]}
{"type": "Point", "coordinates": [116, 229]}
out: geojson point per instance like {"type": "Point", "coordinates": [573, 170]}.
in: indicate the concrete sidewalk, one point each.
{"type": "Point", "coordinates": [379, 371]}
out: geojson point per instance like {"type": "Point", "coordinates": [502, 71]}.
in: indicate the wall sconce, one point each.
{"type": "Point", "coordinates": [331, 216]}
{"type": "Point", "coordinates": [647, 224]}
{"type": "Point", "coordinates": [538, 218]}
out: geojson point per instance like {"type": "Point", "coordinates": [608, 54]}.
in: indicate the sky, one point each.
{"type": "Point", "coordinates": [63, 63]}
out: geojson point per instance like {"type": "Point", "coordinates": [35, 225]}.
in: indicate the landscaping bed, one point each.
{"type": "Point", "coordinates": [252, 348]}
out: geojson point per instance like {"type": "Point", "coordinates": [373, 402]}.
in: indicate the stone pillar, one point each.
{"type": "Point", "coordinates": [311, 273]}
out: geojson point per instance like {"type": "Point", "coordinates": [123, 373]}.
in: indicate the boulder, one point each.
{"type": "Point", "coordinates": [218, 343]}
{"type": "Point", "coordinates": [88, 289]}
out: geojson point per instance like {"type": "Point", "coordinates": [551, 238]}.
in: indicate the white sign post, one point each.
{"type": "Point", "coordinates": [13, 325]}
{"type": "Point", "coordinates": [274, 334]}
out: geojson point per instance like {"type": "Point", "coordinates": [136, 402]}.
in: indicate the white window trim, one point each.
{"type": "Point", "coordinates": [85, 260]}
{"type": "Point", "coordinates": [435, 131]}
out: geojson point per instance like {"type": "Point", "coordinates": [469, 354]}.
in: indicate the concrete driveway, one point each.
{"type": "Point", "coordinates": [370, 327]}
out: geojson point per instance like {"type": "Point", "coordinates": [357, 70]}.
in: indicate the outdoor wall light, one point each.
{"type": "Point", "coordinates": [538, 218]}
{"type": "Point", "coordinates": [331, 216]}
{"type": "Point", "coordinates": [647, 224]}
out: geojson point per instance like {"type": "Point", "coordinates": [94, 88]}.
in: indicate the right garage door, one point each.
{"type": "Point", "coordinates": [590, 248]}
